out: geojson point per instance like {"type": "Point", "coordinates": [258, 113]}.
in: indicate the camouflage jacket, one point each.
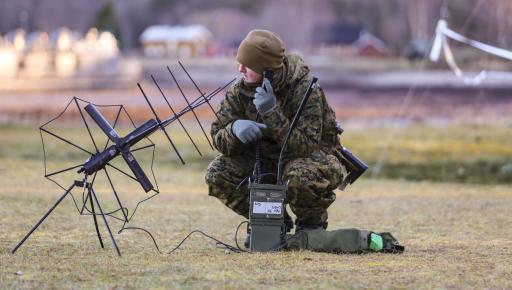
{"type": "Point", "coordinates": [316, 128]}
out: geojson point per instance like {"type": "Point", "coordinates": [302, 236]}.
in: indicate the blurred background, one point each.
{"type": "Point", "coordinates": [304, 25]}
{"type": "Point", "coordinates": [426, 104]}
{"type": "Point", "coordinates": [407, 116]}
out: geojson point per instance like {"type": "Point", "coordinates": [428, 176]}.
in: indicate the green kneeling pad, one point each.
{"type": "Point", "coordinates": [343, 241]}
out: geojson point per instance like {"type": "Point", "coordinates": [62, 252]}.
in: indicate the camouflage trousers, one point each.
{"type": "Point", "coordinates": [310, 189]}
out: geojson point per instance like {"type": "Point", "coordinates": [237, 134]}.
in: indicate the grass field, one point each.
{"type": "Point", "coordinates": [457, 234]}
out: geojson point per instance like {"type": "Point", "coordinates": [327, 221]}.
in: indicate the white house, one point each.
{"type": "Point", "coordinates": [176, 41]}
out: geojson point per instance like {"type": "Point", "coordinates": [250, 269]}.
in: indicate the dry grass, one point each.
{"type": "Point", "coordinates": [457, 236]}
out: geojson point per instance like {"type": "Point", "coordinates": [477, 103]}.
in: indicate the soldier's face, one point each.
{"type": "Point", "coordinates": [250, 76]}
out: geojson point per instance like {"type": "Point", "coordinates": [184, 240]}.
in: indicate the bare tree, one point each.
{"type": "Point", "coordinates": [395, 21]}
{"type": "Point", "coordinates": [504, 22]}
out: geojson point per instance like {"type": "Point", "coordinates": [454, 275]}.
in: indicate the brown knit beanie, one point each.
{"type": "Point", "coordinates": [261, 49]}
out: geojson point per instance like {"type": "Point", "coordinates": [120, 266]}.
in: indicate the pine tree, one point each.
{"type": "Point", "coordinates": [106, 20]}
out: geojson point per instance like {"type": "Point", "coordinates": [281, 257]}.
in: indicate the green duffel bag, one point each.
{"type": "Point", "coordinates": [343, 241]}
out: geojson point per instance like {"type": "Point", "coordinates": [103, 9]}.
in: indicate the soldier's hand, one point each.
{"type": "Point", "coordinates": [264, 98]}
{"type": "Point", "coordinates": [247, 130]}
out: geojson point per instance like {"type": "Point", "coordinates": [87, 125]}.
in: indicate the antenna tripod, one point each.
{"type": "Point", "coordinates": [90, 195]}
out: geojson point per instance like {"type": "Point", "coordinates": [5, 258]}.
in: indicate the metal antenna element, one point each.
{"type": "Point", "coordinates": [189, 105]}
{"type": "Point", "coordinates": [97, 159]}
{"type": "Point", "coordinates": [174, 112]}
{"type": "Point", "coordinates": [200, 92]}
{"type": "Point", "coordinates": [160, 124]}
{"type": "Point", "coordinates": [87, 126]}
{"type": "Point", "coordinates": [194, 104]}
{"type": "Point", "coordinates": [292, 126]}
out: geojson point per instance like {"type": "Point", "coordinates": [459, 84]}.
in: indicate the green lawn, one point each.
{"type": "Point", "coordinates": [457, 153]}
{"type": "Point", "coordinates": [457, 234]}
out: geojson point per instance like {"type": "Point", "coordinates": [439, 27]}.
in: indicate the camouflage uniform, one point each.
{"type": "Point", "coordinates": [312, 165]}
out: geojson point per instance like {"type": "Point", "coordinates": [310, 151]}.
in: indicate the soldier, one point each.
{"type": "Point", "coordinates": [256, 109]}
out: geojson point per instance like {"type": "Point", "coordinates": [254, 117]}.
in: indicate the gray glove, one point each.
{"type": "Point", "coordinates": [247, 130]}
{"type": "Point", "coordinates": [264, 98]}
